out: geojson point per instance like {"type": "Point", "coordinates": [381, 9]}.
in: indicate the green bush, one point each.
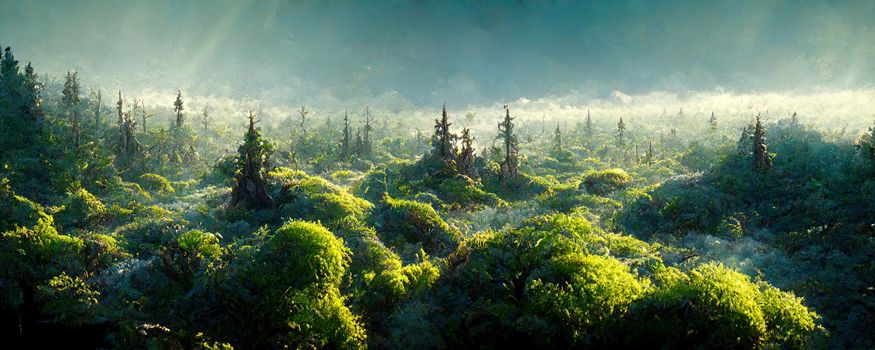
{"type": "Point", "coordinates": [715, 307]}
{"type": "Point", "coordinates": [81, 208]}
{"type": "Point", "coordinates": [605, 181]}
{"type": "Point", "coordinates": [314, 198]}
{"type": "Point", "coordinates": [155, 182]}
{"type": "Point", "coordinates": [403, 222]}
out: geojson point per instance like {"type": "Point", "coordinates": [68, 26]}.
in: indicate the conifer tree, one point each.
{"type": "Point", "coordinates": [120, 124]}
{"type": "Point", "coordinates": [70, 98]}
{"type": "Point", "coordinates": [205, 118]}
{"type": "Point", "coordinates": [251, 164]}
{"type": "Point", "coordinates": [359, 145]}
{"type": "Point", "coordinates": [127, 141]}
{"type": "Point", "coordinates": [762, 160]}
{"type": "Point", "coordinates": [867, 145]}
{"type": "Point", "coordinates": [713, 122]}
{"type": "Point", "coordinates": [794, 119]}
{"type": "Point", "coordinates": [648, 157]}
{"type": "Point", "coordinates": [588, 126]}
{"type": "Point", "coordinates": [557, 140]}
{"type": "Point", "coordinates": [178, 107]}
{"type": "Point", "coordinates": [466, 156]}
{"type": "Point", "coordinates": [510, 165]}
{"type": "Point", "coordinates": [302, 115]}
{"type": "Point", "coordinates": [345, 150]}
{"type": "Point", "coordinates": [368, 147]}
{"type": "Point", "coordinates": [443, 140]}
{"type": "Point", "coordinates": [621, 133]}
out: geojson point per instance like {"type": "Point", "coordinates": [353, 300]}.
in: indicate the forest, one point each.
{"type": "Point", "coordinates": [127, 225]}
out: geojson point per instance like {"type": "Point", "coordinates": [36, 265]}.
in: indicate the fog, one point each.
{"type": "Point", "coordinates": [556, 59]}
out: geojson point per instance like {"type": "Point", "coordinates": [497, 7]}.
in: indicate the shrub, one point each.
{"type": "Point", "coordinates": [606, 181]}
{"type": "Point", "coordinates": [80, 208]}
{"type": "Point", "coordinates": [405, 222]}
{"type": "Point", "coordinates": [314, 198]}
{"type": "Point", "coordinates": [155, 182]}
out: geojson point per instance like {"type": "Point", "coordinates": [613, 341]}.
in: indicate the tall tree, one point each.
{"type": "Point", "coordinates": [178, 108]}
{"type": "Point", "coordinates": [368, 147]}
{"type": "Point", "coordinates": [713, 122]}
{"type": "Point", "coordinates": [557, 140]}
{"type": "Point", "coordinates": [302, 114]}
{"type": "Point", "coordinates": [588, 126]}
{"type": "Point", "coordinates": [443, 140]}
{"type": "Point", "coordinates": [466, 156]}
{"type": "Point", "coordinates": [70, 98]}
{"type": "Point", "coordinates": [128, 145]}
{"type": "Point", "coordinates": [510, 165]}
{"type": "Point", "coordinates": [345, 150]}
{"type": "Point", "coordinates": [762, 160]}
{"type": "Point", "coordinates": [205, 118]}
{"type": "Point", "coordinates": [621, 133]}
{"type": "Point", "coordinates": [251, 163]}
{"type": "Point", "coordinates": [144, 115]}
{"type": "Point", "coordinates": [648, 157]}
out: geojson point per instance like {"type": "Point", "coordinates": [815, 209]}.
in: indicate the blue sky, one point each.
{"type": "Point", "coordinates": [464, 52]}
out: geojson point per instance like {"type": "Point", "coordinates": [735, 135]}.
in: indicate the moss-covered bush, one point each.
{"type": "Point", "coordinates": [605, 181]}
{"type": "Point", "coordinates": [406, 225]}
{"type": "Point", "coordinates": [155, 182]}
{"type": "Point", "coordinates": [314, 198]}
{"type": "Point", "coordinates": [81, 208]}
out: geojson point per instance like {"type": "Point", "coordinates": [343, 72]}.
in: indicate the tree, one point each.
{"type": "Point", "coordinates": [368, 147]}
{"type": "Point", "coordinates": [205, 118]}
{"type": "Point", "coordinates": [303, 112]}
{"type": "Point", "coordinates": [762, 160]}
{"type": "Point", "coordinates": [621, 133]}
{"type": "Point", "coordinates": [70, 98]}
{"type": "Point", "coordinates": [359, 144]}
{"type": "Point", "coordinates": [443, 140]}
{"type": "Point", "coordinates": [145, 116]}
{"type": "Point", "coordinates": [588, 126]}
{"type": "Point", "coordinates": [794, 119]}
{"type": "Point", "coordinates": [867, 145]}
{"type": "Point", "coordinates": [251, 164]}
{"type": "Point", "coordinates": [648, 157]}
{"type": "Point", "coordinates": [127, 140]}
{"type": "Point", "coordinates": [345, 150]}
{"type": "Point", "coordinates": [178, 108]}
{"type": "Point", "coordinates": [713, 122]}
{"type": "Point", "coordinates": [557, 140]}
{"type": "Point", "coordinates": [466, 156]}
{"type": "Point", "coordinates": [510, 165]}
{"type": "Point", "coordinates": [97, 109]}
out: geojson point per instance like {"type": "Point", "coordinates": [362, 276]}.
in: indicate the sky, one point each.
{"type": "Point", "coordinates": [419, 54]}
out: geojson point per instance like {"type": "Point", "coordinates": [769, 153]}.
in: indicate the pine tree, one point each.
{"type": "Point", "coordinates": [867, 145]}
{"type": "Point", "coordinates": [588, 127]}
{"type": "Point", "coordinates": [557, 140]}
{"type": "Point", "coordinates": [344, 142]}
{"type": "Point", "coordinates": [762, 160]}
{"type": "Point", "coordinates": [443, 140]}
{"type": "Point", "coordinates": [713, 122]}
{"type": "Point", "coordinates": [120, 124]}
{"type": "Point", "coordinates": [466, 156]}
{"type": "Point", "coordinates": [205, 119]}
{"type": "Point", "coordinates": [648, 157]}
{"type": "Point", "coordinates": [251, 163]}
{"type": "Point", "coordinates": [302, 115]}
{"type": "Point", "coordinates": [178, 108]}
{"type": "Point", "coordinates": [145, 116]}
{"type": "Point", "coordinates": [359, 144]}
{"type": "Point", "coordinates": [70, 98]}
{"type": "Point", "coordinates": [621, 133]}
{"type": "Point", "coordinates": [368, 147]}
{"type": "Point", "coordinates": [794, 119]}
{"type": "Point", "coordinates": [510, 165]}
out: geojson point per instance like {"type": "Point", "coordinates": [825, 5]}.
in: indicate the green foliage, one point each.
{"type": "Point", "coordinates": [408, 226]}
{"type": "Point", "coordinates": [67, 300]}
{"type": "Point", "coordinates": [81, 208]}
{"type": "Point", "coordinates": [19, 211]}
{"type": "Point", "coordinates": [714, 307]}
{"type": "Point", "coordinates": [155, 182]}
{"type": "Point", "coordinates": [314, 198]}
{"type": "Point", "coordinates": [605, 181]}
